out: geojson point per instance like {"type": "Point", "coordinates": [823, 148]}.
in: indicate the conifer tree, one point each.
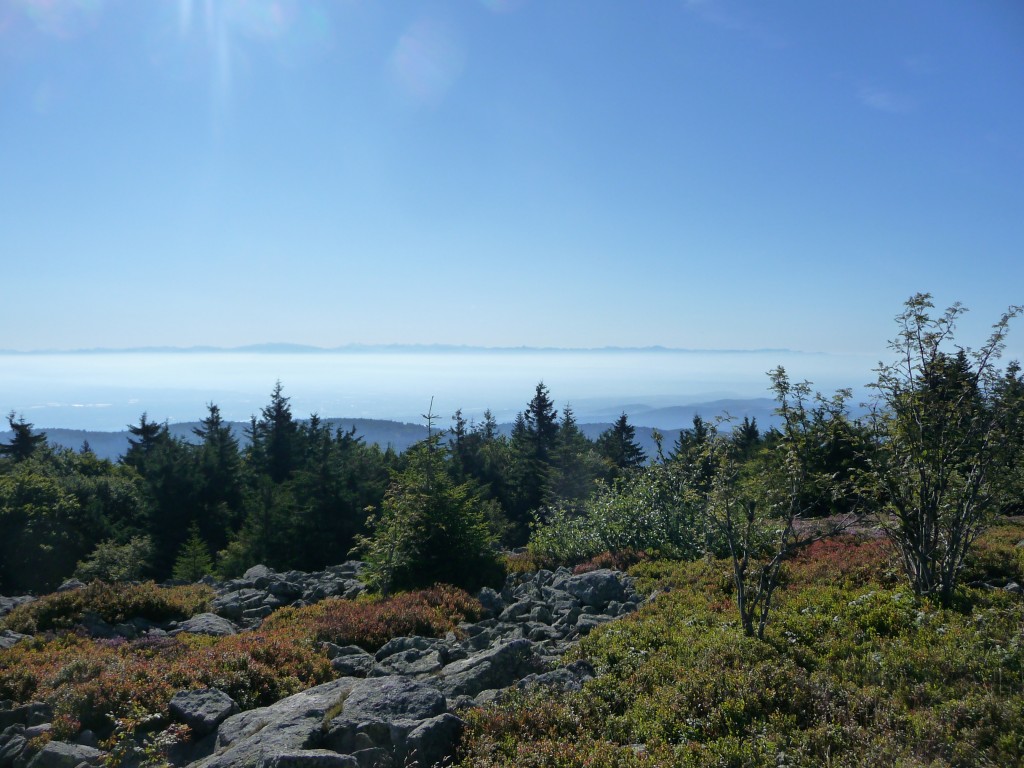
{"type": "Point", "coordinates": [25, 442]}
{"type": "Point", "coordinates": [193, 561]}
{"type": "Point", "coordinates": [618, 446]}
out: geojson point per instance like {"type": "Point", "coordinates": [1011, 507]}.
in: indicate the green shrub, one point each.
{"type": "Point", "coordinates": [649, 511]}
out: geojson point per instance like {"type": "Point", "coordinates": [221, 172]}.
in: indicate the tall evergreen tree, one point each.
{"type": "Point", "coordinates": [618, 446]}
{"type": "Point", "coordinates": [193, 561]}
{"type": "Point", "coordinates": [534, 439]}
{"type": "Point", "coordinates": [429, 529]}
{"type": "Point", "coordinates": [746, 437]}
{"type": "Point", "coordinates": [220, 487]}
{"type": "Point", "coordinates": [25, 442]}
{"type": "Point", "coordinates": [168, 471]}
{"type": "Point", "coordinates": [275, 438]}
{"type": "Point", "coordinates": [576, 463]}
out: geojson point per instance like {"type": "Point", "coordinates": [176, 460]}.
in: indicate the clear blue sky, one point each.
{"type": "Point", "coordinates": [695, 174]}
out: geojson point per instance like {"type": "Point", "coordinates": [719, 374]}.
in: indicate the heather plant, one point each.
{"type": "Point", "coordinates": [94, 684]}
{"type": "Point", "coordinates": [114, 603]}
{"type": "Point", "coordinates": [371, 623]}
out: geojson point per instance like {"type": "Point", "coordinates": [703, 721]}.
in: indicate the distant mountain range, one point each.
{"type": "Point", "coordinates": [399, 435]}
{"type": "Point", "coordinates": [284, 348]}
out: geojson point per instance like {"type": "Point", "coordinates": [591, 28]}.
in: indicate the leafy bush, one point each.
{"type": "Point", "coordinates": [111, 561]}
{"type": "Point", "coordinates": [650, 511]}
{"type": "Point", "coordinates": [114, 603]}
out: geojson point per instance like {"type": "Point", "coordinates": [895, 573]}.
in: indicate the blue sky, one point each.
{"type": "Point", "coordinates": [695, 174]}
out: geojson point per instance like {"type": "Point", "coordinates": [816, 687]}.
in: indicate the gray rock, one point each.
{"type": "Point", "coordinates": [97, 627]}
{"type": "Point", "coordinates": [57, 754]}
{"type": "Point", "coordinates": [35, 731]}
{"type": "Point", "coordinates": [411, 663]}
{"type": "Point", "coordinates": [567, 678]}
{"type": "Point", "coordinates": [258, 572]}
{"type": "Point", "coordinates": [291, 725]}
{"type": "Point", "coordinates": [11, 749]}
{"type": "Point", "coordinates": [392, 698]}
{"type": "Point", "coordinates": [380, 713]}
{"type": "Point", "coordinates": [70, 584]}
{"type": "Point", "coordinates": [202, 710]}
{"type": "Point", "coordinates": [8, 604]}
{"type": "Point", "coordinates": [540, 614]}
{"type": "Point", "coordinates": [255, 615]}
{"type": "Point", "coordinates": [516, 610]}
{"type": "Point", "coordinates": [286, 591]}
{"type": "Point", "coordinates": [587, 622]}
{"type": "Point", "coordinates": [308, 758]}
{"type": "Point", "coordinates": [491, 602]}
{"type": "Point", "coordinates": [9, 639]}
{"type": "Point", "coordinates": [400, 644]}
{"type": "Point", "coordinates": [373, 757]}
{"type": "Point", "coordinates": [433, 740]}
{"type": "Point", "coordinates": [33, 713]}
{"type": "Point", "coordinates": [349, 660]}
{"type": "Point", "coordinates": [496, 668]}
{"type": "Point", "coordinates": [207, 624]}
{"type": "Point", "coordinates": [597, 588]}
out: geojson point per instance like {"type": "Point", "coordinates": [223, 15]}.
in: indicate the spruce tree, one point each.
{"type": "Point", "coordinates": [193, 561]}
{"type": "Point", "coordinates": [25, 442]}
{"type": "Point", "coordinates": [619, 448]}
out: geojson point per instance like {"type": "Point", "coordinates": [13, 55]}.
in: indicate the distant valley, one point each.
{"type": "Point", "coordinates": [399, 435]}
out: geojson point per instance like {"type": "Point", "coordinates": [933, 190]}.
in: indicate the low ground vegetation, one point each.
{"type": "Point", "coordinates": [92, 683]}
{"type": "Point", "coordinates": [855, 670]}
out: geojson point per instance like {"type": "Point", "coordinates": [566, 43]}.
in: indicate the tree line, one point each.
{"type": "Point", "coordinates": [940, 452]}
{"type": "Point", "coordinates": [299, 494]}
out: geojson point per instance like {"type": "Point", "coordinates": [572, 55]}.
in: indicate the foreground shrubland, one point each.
{"type": "Point", "coordinates": [854, 671]}
{"type": "Point", "coordinates": [91, 683]}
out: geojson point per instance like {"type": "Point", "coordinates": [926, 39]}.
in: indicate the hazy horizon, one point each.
{"type": "Point", "coordinates": [106, 391]}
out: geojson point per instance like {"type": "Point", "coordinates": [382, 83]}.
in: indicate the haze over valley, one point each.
{"type": "Point", "coordinates": [105, 391]}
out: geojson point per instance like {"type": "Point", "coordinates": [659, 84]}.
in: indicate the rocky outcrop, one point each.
{"type": "Point", "coordinates": [400, 705]}
{"type": "Point", "coordinates": [397, 706]}
{"type": "Point", "coordinates": [251, 598]}
{"type": "Point", "coordinates": [202, 710]}
{"type": "Point", "coordinates": [58, 754]}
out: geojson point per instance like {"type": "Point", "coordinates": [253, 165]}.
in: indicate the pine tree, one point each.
{"type": "Point", "coordinates": [275, 437]}
{"type": "Point", "coordinates": [576, 463]}
{"type": "Point", "coordinates": [24, 443]}
{"type": "Point", "coordinates": [193, 561]}
{"type": "Point", "coordinates": [534, 439]}
{"type": "Point", "coordinates": [429, 529]}
{"type": "Point", "coordinates": [219, 484]}
{"type": "Point", "coordinates": [619, 448]}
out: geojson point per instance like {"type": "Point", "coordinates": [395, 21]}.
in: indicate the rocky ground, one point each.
{"type": "Point", "coordinates": [397, 707]}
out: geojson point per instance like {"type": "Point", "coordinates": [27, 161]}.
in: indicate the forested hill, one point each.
{"type": "Point", "coordinates": [400, 435]}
